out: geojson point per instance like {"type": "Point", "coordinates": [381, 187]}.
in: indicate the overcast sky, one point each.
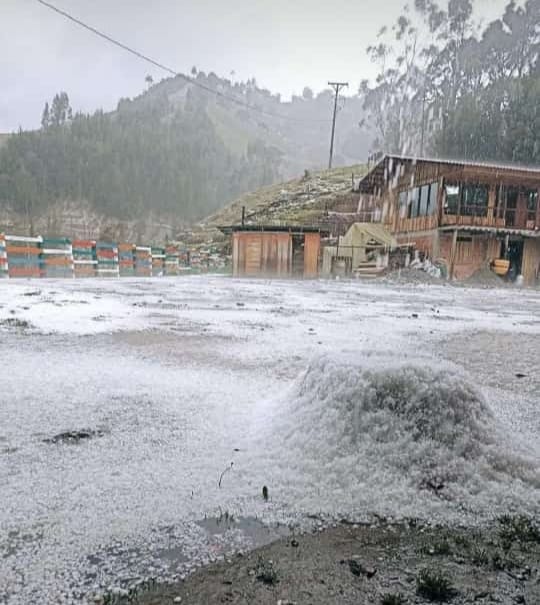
{"type": "Point", "coordinates": [285, 44]}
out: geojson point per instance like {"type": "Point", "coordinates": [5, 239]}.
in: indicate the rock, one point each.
{"type": "Point", "coordinates": [370, 572]}
{"type": "Point", "coordinates": [73, 436]}
{"type": "Point", "coordinates": [414, 315]}
{"type": "Point", "coordinates": [177, 600]}
{"type": "Point", "coordinates": [295, 543]}
{"type": "Point", "coordinates": [481, 595]}
{"type": "Point", "coordinates": [357, 569]}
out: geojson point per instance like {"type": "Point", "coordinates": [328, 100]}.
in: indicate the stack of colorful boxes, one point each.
{"type": "Point", "coordinates": [24, 256]}
{"type": "Point", "coordinates": [195, 260]}
{"type": "Point", "coordinates": [56, 258]}
{"type": "Point", "coordinates": [126, 256]}
{"type": "Point", "coordinates": [172, 260]}
{"type": "Point", "coordinates": [107, 259]}
{"type": "Point", "coordinates": [3, 257]}
{"type": "Point", "coordinates": [143, 261]}
{"type": "Point", "coordinates": [158, 261]}
{"type": "Point", "coordinates": [84, 258]}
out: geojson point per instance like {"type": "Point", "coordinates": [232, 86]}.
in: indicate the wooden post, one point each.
{"type": "Point", "coordinates": [537, 222]}
{"type": "Point", "coordinates": [492, 196]}
{"type": "Point", "coordinates": [453, 254]}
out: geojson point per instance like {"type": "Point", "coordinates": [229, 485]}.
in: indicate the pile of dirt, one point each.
{"type": "Point", "coordinates": [486, 278]}
{"type": "Point", "coordinates": [410, 275]}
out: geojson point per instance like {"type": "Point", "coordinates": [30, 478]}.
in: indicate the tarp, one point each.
{"type": "Point", "coordinates": [354, 243]}
{"type": "Point", "coordinates": [362, 234]}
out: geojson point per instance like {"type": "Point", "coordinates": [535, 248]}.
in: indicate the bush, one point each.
{"type": "Point", "coordinates": [434, 586]}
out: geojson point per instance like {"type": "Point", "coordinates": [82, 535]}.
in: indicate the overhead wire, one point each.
{"type": "Point", "coordinates": [169, 70]}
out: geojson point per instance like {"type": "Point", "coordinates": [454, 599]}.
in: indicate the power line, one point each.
{"type": "Point", "coordinates": [167, 69]}
{"type": "Point", "coordinates": [337, 86]}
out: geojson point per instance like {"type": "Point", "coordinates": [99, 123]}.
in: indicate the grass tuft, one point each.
{"type": "Point", "coordinates": [393, 599]}
{"type": "Point", "coordinates": [434, 586]}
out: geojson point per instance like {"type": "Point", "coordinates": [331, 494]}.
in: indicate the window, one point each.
{"type": "Point", "coordinates": [424, 200]}
{"type": "Point", "coordinates": [414, 202]}
{"type": "Point", "coordinates": [474, 200]}
{"type": "Point", "coordinates": [433, 198]}
{"type": "Point", "coordinates": [419, 201]}
{"type": "Point", "coordinates": [453, 192]}
{"type": "Point", "coordinates": [403, 204]}
{"type": "Point", "coordinates": [531, 197]}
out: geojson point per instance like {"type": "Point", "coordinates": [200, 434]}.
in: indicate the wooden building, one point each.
{"type": "Point", "coordinates": [465, 214]}
{"type": "Point", "coordinates": [270, 251]}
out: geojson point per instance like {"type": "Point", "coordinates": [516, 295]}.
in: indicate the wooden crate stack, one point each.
{"type": "Point", "coordinates": [126, 259]}
{"type": "Point", "coordinates": [158, 261]}
{"type": "Point", "coordinates": [107, 259]}
{"type": "Point", "coordinates": [84, 258]}
{"type": "Point", "coordinates": [172, 260]}
{"type": "Point", "coordinates": [56, 258]}
{"type": "Point", "coordinates": [143, 261]}
{"type": "Point", "coordinates": [24, 256]}
{"type": "Point", "coordinates": [3, 257]}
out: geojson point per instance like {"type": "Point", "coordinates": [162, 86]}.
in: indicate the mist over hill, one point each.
{"type": "Point", "coordinates": [175, 153]}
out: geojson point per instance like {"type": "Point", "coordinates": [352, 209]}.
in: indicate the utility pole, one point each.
{"type": "Point", "coordinates": [423, 122]}
{"type": "Point", "coordinates": [337, 86]}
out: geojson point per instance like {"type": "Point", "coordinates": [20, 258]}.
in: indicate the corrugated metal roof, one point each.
{"type": "Point", "coordinates": [502, 230]}
{"type": "Point", "coordinates": [377, 173]}
{"type": "Point", "coordinates": [471, 163]}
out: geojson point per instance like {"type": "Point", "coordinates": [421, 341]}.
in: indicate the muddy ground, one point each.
{"type": "Point", "coordinates": [359, 564]}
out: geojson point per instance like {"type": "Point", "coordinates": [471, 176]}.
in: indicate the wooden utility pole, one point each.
{"type": "Point", "coordinates": [337, 86]}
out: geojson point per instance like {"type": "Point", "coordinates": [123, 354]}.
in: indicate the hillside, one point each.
{"type": "Point", "coordinates": [170, 156]}
{"type": "Point", "coordinates": [316, 198]}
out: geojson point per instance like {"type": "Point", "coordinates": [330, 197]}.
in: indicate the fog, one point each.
{"type": "Point", "coordinates": [284, 45]}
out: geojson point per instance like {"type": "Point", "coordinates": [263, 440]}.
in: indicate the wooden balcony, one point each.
{"type": "Point", "coordinates": [492, 217]}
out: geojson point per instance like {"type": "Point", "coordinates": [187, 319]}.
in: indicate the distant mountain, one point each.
{"type": "Point", "coordinates": [170, 156]}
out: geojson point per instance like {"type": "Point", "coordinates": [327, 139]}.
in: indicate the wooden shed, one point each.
{"type": "Point", "coordinates": [269, 251]}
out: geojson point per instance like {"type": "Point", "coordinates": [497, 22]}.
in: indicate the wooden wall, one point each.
{"type": "Point", "coordinates": [262, 253]}
{"type": "Point", "coordinates": [312, 245]}
{"type": "Point", "coordinates": [530, 267]}
{"type": "Point", "coordinates": [471, 253]}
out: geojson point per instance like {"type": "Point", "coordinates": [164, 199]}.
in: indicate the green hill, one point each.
{"type": "Point", "coordinates": [176, 152]}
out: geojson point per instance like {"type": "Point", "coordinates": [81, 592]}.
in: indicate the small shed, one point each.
{"type": "Point", "coordinates": [363, 243]}
{"type": "Point", "coordinates": [275, 251]}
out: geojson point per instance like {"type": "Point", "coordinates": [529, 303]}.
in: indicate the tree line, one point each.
{"type": "Point", "coordinates": [148, 156]}
{"type": "Point", "coordinates": [453, 87]}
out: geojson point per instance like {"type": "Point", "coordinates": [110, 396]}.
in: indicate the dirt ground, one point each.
{"type": "Point", "coordinates": [386, 564]}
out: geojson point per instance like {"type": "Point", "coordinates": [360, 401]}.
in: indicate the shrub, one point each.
{"type": "Point", "coordinates": [434, 586]}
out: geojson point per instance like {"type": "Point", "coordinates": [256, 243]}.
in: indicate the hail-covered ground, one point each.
{"type": "Point", "coordinates": [133, 412]}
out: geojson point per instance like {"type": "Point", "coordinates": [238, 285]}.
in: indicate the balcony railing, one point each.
{"type": "Point", "coordinates": [477, 216]}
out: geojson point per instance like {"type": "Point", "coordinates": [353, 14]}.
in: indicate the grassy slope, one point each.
{"type": "Point", "coordinates": [298, 200]}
